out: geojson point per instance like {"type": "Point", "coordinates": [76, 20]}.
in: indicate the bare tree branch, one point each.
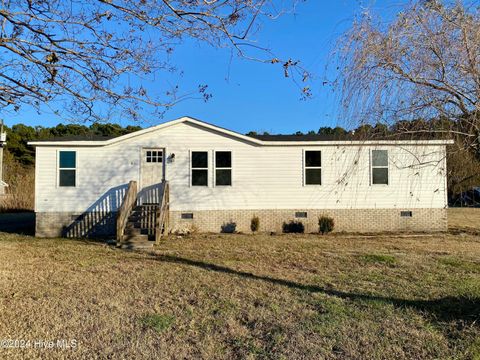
{"type": "Point", "coordinates": [77, 57]}
{"type": "Point", "coordinates": [423, 65]}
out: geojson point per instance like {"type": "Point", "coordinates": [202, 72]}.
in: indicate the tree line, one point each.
{"type": "Point", "coordinates": [19, 135]}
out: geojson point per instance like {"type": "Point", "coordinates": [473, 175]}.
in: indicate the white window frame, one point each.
{"type": "Point", "coordinates": [215, 167]}
{"type": "Point", "coordinates": [379, 167]}
{"type": "Point", "coordinates": [192, 168]}
{"type": "Point", "coordinates": [305, 167]}
{"type": "Point", "coordinates": [156, 150]}
{"type": "Point", "coordinates": [59, 168]}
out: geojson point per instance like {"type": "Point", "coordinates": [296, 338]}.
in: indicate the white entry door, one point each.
{"type": "Point", "coordinates": [152, 175]}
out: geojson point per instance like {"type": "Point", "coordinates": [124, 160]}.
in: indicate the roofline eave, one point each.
{"type": "Point", "coordinates": [100, 143]}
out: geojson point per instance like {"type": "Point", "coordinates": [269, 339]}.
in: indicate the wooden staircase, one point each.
{"type": "Point", "coordinates": [140, 226]}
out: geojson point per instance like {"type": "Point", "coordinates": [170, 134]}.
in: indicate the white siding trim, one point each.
{"type": "Point", "coordinates": [37, 170]}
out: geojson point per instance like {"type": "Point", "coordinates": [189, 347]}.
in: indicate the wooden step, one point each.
{"type": "Point", "coordinates": [141, 245]}
{"type": "Point", "coordinates": [133, 231]}
{"type": "Point", "coordinates": [133, 225]}
{"type": "Point", "coordinates": [136, 237]}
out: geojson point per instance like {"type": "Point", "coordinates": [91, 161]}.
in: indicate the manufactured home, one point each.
{"type": "Point", "coordinates": [194, 176]}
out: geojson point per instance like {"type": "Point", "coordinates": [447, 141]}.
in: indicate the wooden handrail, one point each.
{"type": "Point", "coordinates": [163, 214]}
{"type": "Point", "coordinates": [126, 208]}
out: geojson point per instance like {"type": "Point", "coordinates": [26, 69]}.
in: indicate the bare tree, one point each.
{"type": "Point", "coordinates": [87, 59]}
{"type": "Point", "coordinates": [423, 65]}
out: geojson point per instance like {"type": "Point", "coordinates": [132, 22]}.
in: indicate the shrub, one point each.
{"type": "Point", "coordinates": [293, 227]}
{"type": "Point", "coordinates": [229, 228]}
{"type": "Point", "coordinates": [325, 224]}
{"type": "Point", "coordinates": [255, 224]}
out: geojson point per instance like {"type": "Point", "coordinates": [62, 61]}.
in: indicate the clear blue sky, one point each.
{"type": "Point", "coordinates": [253, 96]}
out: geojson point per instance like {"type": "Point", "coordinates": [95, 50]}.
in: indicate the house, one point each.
{"type": "Point", "coordinates": [218, 179]}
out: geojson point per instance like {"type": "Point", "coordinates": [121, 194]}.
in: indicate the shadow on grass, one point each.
{"type": "Point", "coordinates": [22, 223]}
{"type": "Point", "coordinates": [444, 309]}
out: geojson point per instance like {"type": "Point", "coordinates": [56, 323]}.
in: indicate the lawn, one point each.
{"type": "Point", "coordinates": [242, 296]}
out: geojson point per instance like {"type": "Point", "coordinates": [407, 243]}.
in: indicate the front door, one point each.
{"type": "Point", "coordinates": [152, 175]}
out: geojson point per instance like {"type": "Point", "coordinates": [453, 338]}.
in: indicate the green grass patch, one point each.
{"type": "Point", "coordinates": [157, 322]}
{"type": "Point", "coordinates": [379, 258]}
{"type": "Point", "coordinates": [459, 263]}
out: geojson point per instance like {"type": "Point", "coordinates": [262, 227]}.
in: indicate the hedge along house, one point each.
{"type": "Point", "coordinates": [218, 179]}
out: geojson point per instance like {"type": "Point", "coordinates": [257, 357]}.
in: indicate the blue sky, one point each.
{"type": "Point", "coordinates": [253, 96]}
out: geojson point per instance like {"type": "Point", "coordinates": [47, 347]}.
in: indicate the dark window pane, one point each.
{"type": "Point", "coordinates": [379, 158]}
{"type": "Point", "coordinates": [67, 159]}
{"type": "Point", "coordinates": [313, 158]}
{"type": "Point", "coordinates": [199, 177]}
{"type": "Point", "coordinates": [149, 153]}
{"type": "Point", "coordinates": [313, 176]}
{"type": "Point", "coordinates": [149, 159]}
{"type": "Point", "coordinates": [223, 159]}
{"type": "Point", "coordinates": [223, 177]}
{"type": "Point", "coordinates": [67, 178]}
{"type": "Point", "coordinates": [199, 159]}
{"type": "Point", "coordinates": [380, 176]}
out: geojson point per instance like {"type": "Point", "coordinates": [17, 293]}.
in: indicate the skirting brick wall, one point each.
{"type": "Point", "coordinates": [67, 224]}
{"type": "Point", "coordinates": [348, 220]}
{"type": "Point", "coordinates": [96, 224]}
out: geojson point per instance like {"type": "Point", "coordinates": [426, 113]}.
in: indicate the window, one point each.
{"type": "Point", "coordinates": [406, 214]}
{"type": "Point", "coordinates": [67, 168]}
{"type": "Point", "coordinates": [313, 167]}
{"type": "Point", "coordinates": [199, 168]}
{"type": "Point", "coordinates": [380, 167]}
{"type": "Point", "coordinates": [154, 156]}
{"type": "Point", "coordinates": [223, 168]}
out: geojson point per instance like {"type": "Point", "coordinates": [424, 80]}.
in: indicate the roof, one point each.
{"type": "Point", "coordinates": [77, 138]}
{"type": "Point", "coordinates": [307, 137]}
{"type": "Point", "coordinates": [261, 140]}
{"type": "Point", "coordinates": [351, 137]}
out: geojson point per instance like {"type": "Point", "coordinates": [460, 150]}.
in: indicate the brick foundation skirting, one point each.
{"type": "Point", "coordinates": [69, 224]}
{"type": "Point", "coordinates": [96, 224]}
{"type": "Point", "coordinates": [347, 220]}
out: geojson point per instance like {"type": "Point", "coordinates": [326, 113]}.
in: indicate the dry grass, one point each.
{"type": "Point", "coordinates": [464, 218]}
{"type": "Point", "coordinates": [239, 296]}
{"type": "Point", "coordinates": [20, 194]}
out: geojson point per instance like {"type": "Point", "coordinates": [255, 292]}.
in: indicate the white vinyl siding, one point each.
{"type": "Point", "coordinates": [264, 177]}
